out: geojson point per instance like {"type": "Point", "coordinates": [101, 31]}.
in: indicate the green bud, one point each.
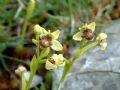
{"type": "Point", "coordinates": [35, 41]}
{"type": "Point", "coordinates": [37, 29]}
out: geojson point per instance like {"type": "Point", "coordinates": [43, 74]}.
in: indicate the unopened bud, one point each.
{"type": "Point", "coordinates": [20, 69]}
{"type": "Point", "coordinates": [103, 45]}
{"type": "Point", "coordinates": [37, 29]}
{"type": "Point", "coordinates": [35, 41]}
{"type": "Point", "coordinates": [102, 36]}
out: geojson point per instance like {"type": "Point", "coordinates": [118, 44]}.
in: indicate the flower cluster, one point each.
{"type": "Point", "coordinates": [48, 38]}
{"type": "Point", "coordinates": [87, 32]}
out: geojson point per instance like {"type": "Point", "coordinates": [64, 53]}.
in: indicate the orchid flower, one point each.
{"type": "Point", "coordinates": [86, 32]}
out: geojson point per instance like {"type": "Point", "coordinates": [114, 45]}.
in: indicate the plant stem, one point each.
{"type": "Point", "coordinates": [30, 10]}
{"type": "Point", "coordinates": [38, 46]}
{"type": "Point", "coordinates": [36, 64]}
{"type": "Point", "coordinates": [30, 80]}
{"type": "Point", "coordinates": [23, 82]}
{"type": "Point", "coordinates": [70, 8]}
{"type": "Point", "coordinates": [78, 53]}
{"type": "Point", "coordinates": [71, 15]}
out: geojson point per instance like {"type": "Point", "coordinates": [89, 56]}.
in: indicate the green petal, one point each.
{"type": "Point", "coordinates": [56, 45]}
{"type": "Point", "coordinates": [77, 36]}
{"type": "Point", "coordinates": [35, 41]}
{"type": "Point", "coordinates": [83, 28]}
{"type": "Point", "coordinates": [92, 26]}
{"type": "Point", "coordinates": [44, 31]}
{"type": "Point", "coordinates": [56, 34]}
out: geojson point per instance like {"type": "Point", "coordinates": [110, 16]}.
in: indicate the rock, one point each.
{"type": "Point", "coordinates": [97, 69]}
{"type": "Point", "coordinates": [36, 79]}
{"type": "Point", "coordinates": [92, 81]}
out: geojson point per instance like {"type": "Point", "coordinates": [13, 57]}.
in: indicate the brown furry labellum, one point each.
{"type": "Point", "coordinates": [88, 34]}
{"type": "Point", "coordinates": [45, 41]}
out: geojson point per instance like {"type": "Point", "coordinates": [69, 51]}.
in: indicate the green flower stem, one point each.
{"type": "Point", "coordinates": [30, 10]}
{"type": "Point", "coordinates": [65, 72]}
{"type": "Point", "coordinates": [70, 15]}
{"type": "Point", "coordinates": [70, 8]}
{"type": "Point", "coordinates": [37, 60]}
{"type": "Point", "coordinates": [33, 71]}
{"type": "Point", "coordinates": [33, 68]}
{"type": "Point", "coordinates": [83, 43]}
{"type": "Point", "coordinates": [83, 50]}
{"type": "Point", "coordinates": [23, 81]}
{"type": "Point", "coordinates": [78, 53]}
{"type": "Point", "coordinates": [38, 46]}
{"type": "Point", "coordinates": [30, 80]}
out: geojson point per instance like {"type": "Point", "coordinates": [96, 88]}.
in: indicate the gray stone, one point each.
{"type": "Point", "coordinates": [97, 69]}
{"type": "Point", "coordinates": [92, 81]}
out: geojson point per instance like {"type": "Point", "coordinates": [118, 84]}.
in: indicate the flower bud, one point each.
{"type": "Point", "coordinates": [34, 41]}
{"type": "Point", "coordinates": [20, 70]}
{"type": "Point", "coordinates": [37, 29]}
{"type": "Point", "coordinates": [102, 36]}
{"type": "Point", "coordinates": [103, 45]}
{"type": "Point", "coordinates": [102, 40]}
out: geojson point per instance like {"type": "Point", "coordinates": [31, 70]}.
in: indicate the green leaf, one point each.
{"type": "Point", "coordinates": [23, 82]}
{"type": "Point", "coordinates": [48, 78]}
{"type": "Point", "coordinates": [42, 87]}
{"type": "Point", "coordinates": [44, 53]}
{"type": "Point", "coordinates": [33, 64]}
{"type": "Point", "coordinates": [110, 8]}
{"type": "Point", "coordinates": [33, 68]}
{"type": "Point", "coordinates": [2, 47]}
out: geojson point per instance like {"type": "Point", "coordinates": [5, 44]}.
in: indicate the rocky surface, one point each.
{"type": "Point", "coordinates": [97, 69]}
